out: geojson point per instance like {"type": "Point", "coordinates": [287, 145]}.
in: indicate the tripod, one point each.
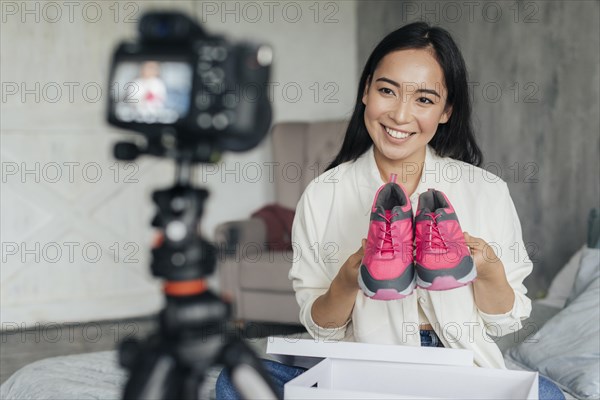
{"type": "Point", "coordinates": [171, 363]}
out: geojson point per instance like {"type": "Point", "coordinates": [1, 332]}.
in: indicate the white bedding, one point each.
{"type": "Point", "coordinates": [78, 377]}
{"type": "Point", "coordinates": [96, 376]}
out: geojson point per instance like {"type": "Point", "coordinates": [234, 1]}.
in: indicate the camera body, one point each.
{"type": "Point", "coordinates": [188, 92]}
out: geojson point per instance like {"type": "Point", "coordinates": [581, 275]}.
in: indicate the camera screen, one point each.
{"type": "Point", "coordinates": [151, 92]}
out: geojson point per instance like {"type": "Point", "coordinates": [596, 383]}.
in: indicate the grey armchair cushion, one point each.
{"type": "Point", "coordinates": [302, 151]}
{"type": "Point", "coordinates": [261, 270]}
{"type": "Point", "coordinates": [256, 279]}
{"type": "Point", "coordinates": [247, 234]}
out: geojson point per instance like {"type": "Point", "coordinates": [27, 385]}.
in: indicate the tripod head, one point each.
{"type": "Point", "coordinates": [181, 253]}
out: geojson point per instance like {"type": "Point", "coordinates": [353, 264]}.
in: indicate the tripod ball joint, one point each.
{"type": "Point", "coordinates": [182, 254]}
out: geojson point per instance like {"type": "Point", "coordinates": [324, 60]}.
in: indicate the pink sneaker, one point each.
{"type": "Point", "coordinates": [387, 271]}
{"type": "Point", "coordinates": [443, 260]}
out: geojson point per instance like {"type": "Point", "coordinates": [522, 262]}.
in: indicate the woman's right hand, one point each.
{"type": "Point", "coordinates": [334, 308]}
{"type": "Point", "coordinates": [348, 274]}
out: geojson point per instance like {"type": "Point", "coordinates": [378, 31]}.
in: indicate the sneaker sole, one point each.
{"type": "Point", "coordinates": [387, 289]}
{"type": "Point", "coordinates": [446, 279]}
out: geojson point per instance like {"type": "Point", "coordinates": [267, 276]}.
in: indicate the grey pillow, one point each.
{"type": "Point", "coordinates": [562, 284]}
{"type": "Point", "coordinates": [589, 269]}
{"type": "Point", "coordinates": [540, 314]}
{"type": "Point", "coordinates": [567, 348]}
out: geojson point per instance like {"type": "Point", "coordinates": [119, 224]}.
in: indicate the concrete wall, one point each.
{"type": "Point", "coordinates": [74, 223]}
{"type": "Point", "coordinates": [535, 74]}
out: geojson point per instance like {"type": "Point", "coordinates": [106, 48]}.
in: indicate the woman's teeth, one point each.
{"type": "Point", "coordinates": [396, 134]}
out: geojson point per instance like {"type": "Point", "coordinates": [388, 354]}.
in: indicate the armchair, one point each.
{"type": "Point", "coordinates": [254, 277]}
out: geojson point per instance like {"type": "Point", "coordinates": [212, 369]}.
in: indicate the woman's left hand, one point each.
{"type": "Point", "coordinates": [486, 261]}
{"type": "Point", "coordinates": [493, 294]}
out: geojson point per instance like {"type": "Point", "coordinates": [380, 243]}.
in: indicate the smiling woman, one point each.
{"type": "Point", "coordinates": [412, 113]}
{"type": "Point", "coordinates": [411, 120]}
{"type": "Point", "coordinates": [405, 101]}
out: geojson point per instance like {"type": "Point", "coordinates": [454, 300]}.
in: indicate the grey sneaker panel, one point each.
{"type": "Point", "coordinates": [400, 214]}
{"type": "Point", "coordinates": [460, 271]}
{"type": "Point", "coordinates": [399, 284]}
{"type": "Point", "coordinates": [390, 196]}
{"type": "Point", "coordinates": [443, 216]}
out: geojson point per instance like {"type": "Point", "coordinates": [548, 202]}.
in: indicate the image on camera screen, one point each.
{"type": "Point", "coordinates": [151, 92]}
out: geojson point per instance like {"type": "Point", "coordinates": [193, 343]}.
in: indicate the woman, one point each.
{"type": "Point", "coordinates": [413, 119]}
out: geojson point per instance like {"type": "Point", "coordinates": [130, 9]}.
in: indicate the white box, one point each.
{"type": "Point", "coordinates": [368, 371]}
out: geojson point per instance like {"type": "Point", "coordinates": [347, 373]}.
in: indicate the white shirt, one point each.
{"type": "Point", "coordinates": [332, 217]}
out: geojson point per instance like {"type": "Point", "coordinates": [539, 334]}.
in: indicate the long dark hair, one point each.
{"type": "Point", "coordinates": [453, 139]}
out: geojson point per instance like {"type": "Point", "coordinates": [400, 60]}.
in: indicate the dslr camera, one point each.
{"type": "Point", "coordinates": [189, 94]}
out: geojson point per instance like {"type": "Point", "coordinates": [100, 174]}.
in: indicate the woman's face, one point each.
{"type": "Point", "coordinates": [404, 103]}
{"type": "Point", "coordinates": [150, 69]}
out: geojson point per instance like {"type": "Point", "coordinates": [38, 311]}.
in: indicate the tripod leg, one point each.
{"type": "Point", "coordinates": [247, 372]}
{"type": "Point", "coordinates": [153, 376]}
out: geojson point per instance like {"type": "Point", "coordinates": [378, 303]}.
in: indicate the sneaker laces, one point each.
{"type": "Point", "coordinates": [387, 246]}
{"type": "Point", "coordinates": [434, 239]}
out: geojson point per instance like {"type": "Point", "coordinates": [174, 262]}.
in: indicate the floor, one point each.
{"type": "Point", "coordinates": [19, 348]}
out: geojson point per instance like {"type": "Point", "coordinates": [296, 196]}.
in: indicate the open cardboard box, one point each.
{"type": "Point", "coordinates": [368, 371]}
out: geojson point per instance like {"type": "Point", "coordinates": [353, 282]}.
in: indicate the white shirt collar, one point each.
{"type": "Point", "coordinates": [369, 179]}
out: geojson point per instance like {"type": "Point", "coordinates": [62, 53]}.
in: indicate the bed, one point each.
{"type": "Point", "coordinates": [561, 340]}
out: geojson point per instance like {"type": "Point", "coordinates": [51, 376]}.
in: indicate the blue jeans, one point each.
{"type": "Point", "coordinates": [281, 374]}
